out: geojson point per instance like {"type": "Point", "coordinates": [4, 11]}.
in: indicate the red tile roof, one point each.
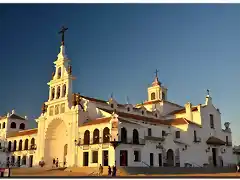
{"type": "Point", "coordinates": [94, 99]}
{"type": "Point", "coordinates": [176, 121]}
{"type": "Point", "coordinates": [97, 121]}
{"type": "Point", "coordinates": [183, 110]}
{"type": "Point", "coordinates": [23, 133]}
{"type": "Point", "coordinates": [215, 141]}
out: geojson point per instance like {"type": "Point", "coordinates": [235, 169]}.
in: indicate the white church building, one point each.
{"type": "Point", "coordinates": [85, 131]}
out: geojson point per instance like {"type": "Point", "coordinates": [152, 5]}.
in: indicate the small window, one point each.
{"type": "Point", "coordinates": [4, 124]}
{"type": "Point", "coordinates": [64, 90]}
{"type": "Point", "coordinates": [226, 139]}
{"type": "Point", "coordinates": [156, 115]}
{"type": "Point", "coordinates": [149, 132]}
{"type": "Point", "coordinates": [51, 111]}
{"type": "Point", "coordinates": [62, 108]}
{"type": "Point", "coordinates": [22, 126]}
{"type": "Point", "coordinates": [163, 133]}
{"type": "Point", "coordinates": [177, 134]}
{"type": "Point", "coordinates": [53, 93]}
{"type": "Point", "coordinates": [136, 156]}
{"type": "Point", "coordinates": [128, 109]}
{"type": "Point", "coordinates": [142, 112]}
{"type": "Point", "coordinates": [111, 105]}
{"type": "Point", "coordinates": [211, 121]}
{"type": "Point", "coordinates": [57, 109]}
{"type": "Point", "coordinates": [0, 126]}
{"type": "Point", "coordinates": [58, 92]}
{"type": "Point", "coordinates": [13, 125]}
{"type": "Point", "coordinates": [59, 72]}
{"type": "Point", "coordinates": [153, 96]}
{"type": "Point", "coordinates": [95, 157]}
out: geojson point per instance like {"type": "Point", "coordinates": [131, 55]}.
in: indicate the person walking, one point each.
{"type": "Point", "coordinates": [114, 171]}
{"type": "Point", "coordinates": [57, 163]}
{"type": "Point", "coordinates": [54, 161]}
{"type": "Point", "coordinates": [109, 171]}
{"type": "Point", "coordinates": [100, 170]}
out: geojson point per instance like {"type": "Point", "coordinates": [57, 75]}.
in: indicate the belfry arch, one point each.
{"type": "Point", "coordinates": [56, 140]}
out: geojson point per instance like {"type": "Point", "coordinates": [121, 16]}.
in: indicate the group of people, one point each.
{"type": "Point", "coordinates": [55, 162]}
{"type": "Point", "coordinates": [111, 171]}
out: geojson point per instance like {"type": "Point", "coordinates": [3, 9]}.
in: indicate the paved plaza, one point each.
{"type": "Point", "coordinates": [17, 172]}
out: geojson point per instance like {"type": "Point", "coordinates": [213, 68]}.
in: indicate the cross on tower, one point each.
{"type": "Point", "coordinates": [62, 32]}
{"type": "Point", "coordinates": [156, 72]}
{"type": "Point", "coordinates": [208, 92]}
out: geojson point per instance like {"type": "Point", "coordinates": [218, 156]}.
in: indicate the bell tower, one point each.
{"type": "Point", "coordinates": [60, 86]}
{"type": "Point", "coordinates": [157, 91]}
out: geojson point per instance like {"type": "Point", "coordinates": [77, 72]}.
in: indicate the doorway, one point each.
{"type": "Point", "coordinates": [105, 158]}
{"type": "Point", "coordinates": [151, 159]}
{"type": "Point", "coordinates": [30, 161]}
{"type": "Point", "coordinates": [160, 160]}
{"type": "Point", "coordinates": [170, 158]}
{"type": "Point", "coordinates": [18, 161]}
{"type": "Point", "coordinates": [85, 158]}
{"type": "Point", "coordinates": [214, 156]}
{"type": "Point", "coordinates": [123, 158]}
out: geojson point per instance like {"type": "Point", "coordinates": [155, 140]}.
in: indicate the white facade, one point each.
{"type": "Point", "coordinates": [84, 131]}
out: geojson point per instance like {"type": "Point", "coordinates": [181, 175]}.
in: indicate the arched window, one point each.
{"type": "Point", "coordinates": [15, 145]}
{"type": "Point", "coordinates": [64, 90]}
{"type": "Point", "coordinates": [58, 92]}
{"type": "Point", "coordinates": [53, 93]}
{"type": "Point", "coordinates": [135, 137]}
{"type": "Point", "coordinates": [20, 145]}
{"type": "Point", "coordinates": [32, 143]}
{"type": "Point", "coordinates": [106, 134]}
{"type": "Point", "coordinates": [86, 137]}
{"type": "Point", "coordinates": [0, 126]}
{"type": "Point", "coordinates": [9, 146]}
{"type": "Point", "coordinates": [123, 135]}
{"type": "Point", "coordinates": [4, 124]}
{"type": "Point", "coordinates": [96, 136]}
{"type": "Point", "coordinates": [22, 126]}
{"type": "Point", "coordinates": [128, 109]}
{"type": "Point", "coordinates": [153, 96]}
{"type": "Point", "coordinates": [59, 72]}
{"type": "Point", "coordinates": [163, 96]}
{"type": "Point", "coordinates": [13, 125]}
{"type": "Point", "coordinates": [142, 112]}
{"type": "Point", "coordinates": [26, 144]}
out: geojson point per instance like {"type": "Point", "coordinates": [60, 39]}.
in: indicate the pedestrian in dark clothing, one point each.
{"type": "Point", "coordinates": [54, 161]}
{"type": "Point", "coordinates": [109, 170]}
{"type": "Point", "coordinates": [57, 163]}
{"type": "Point", "coordinates": [114, 171]}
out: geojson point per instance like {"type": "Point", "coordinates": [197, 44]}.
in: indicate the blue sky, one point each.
{"type": "Point", "coordinates": [116, 48]}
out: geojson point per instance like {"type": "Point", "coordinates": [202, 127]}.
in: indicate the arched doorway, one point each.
{"type": "Point", "coordinates": [56, 142]}
{"type": "Point", "coordinates": [170, 157]}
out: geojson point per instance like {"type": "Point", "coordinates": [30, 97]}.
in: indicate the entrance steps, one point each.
{"type": "Point", "coordinates": [176, 170]}
{"type": "Point", "coordinates": [93, 171]}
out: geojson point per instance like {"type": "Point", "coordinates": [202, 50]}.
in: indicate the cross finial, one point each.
{"type": "Point", "coordinates": [62, 32]}
{"type": "Point", "coordinates": [208, 92]}
{"type": "Point", "coordinates": [127, 100]}
{"type": "Point", "coordinates": [156, 72]}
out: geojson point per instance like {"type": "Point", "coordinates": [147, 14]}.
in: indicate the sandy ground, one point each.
{"type": "Point", "coordinates": [64, 173]}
